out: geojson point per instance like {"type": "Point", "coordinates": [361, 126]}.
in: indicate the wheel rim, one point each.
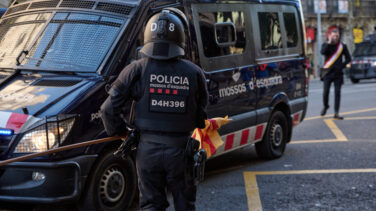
{"type": "Point", "coordinates": [112, 185]}
{"type": "Point", "coordinates": [277, 135]}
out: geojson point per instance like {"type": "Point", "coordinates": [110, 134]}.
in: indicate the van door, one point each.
{"type": "Point", "coordinates": [223, 36]}
{"type": "Point", "coordinates": [278, 50]}
{"type": "Point", "coordinates": [224, 55]}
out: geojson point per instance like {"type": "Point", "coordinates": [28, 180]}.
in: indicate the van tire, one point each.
{"type": "Point", "coordinates": [275, 138]}
{"type": "Point", "coordinates": [120, 176]}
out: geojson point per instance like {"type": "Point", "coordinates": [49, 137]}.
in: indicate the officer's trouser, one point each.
{"type": "Point", "coordinates": [161, 166]}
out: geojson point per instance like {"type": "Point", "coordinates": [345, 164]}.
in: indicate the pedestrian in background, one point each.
{"type": "Point", "coordinates": [334, 51]}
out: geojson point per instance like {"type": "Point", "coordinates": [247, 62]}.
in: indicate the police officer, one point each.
{"type": "Point", "coordinates": [171, 99]}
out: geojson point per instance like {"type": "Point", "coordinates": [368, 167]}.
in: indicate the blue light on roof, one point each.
{"type": "Point", "coordinates": [6, 132]}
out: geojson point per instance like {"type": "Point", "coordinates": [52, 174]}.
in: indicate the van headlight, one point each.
{"type": "Point", "coordinates": [49, 134]}
{"type": "Point", "coordinates": [373, 64]}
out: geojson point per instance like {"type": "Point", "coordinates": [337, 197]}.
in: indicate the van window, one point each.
{"type": "Point", "coordinates": [16, 34]}
{"type": "Point", "coordinates": [68, 42]}
{"type": "Point", "coordinates": [211, 25]}
{"type": "Point", "coordinates": [74, 41]}
{"type": "Point", "coordinates": [291, 29]}
{"type": "Point", "coordinates": [270, 30]}
{"type": "Point", "coordinates": [278, 32]}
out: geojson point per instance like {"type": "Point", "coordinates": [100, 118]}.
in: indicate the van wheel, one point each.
{"type": "Point", "coordinates": [354, 81]}
{"type": "Point", "coordinates": [274, 141]}
{"type": "Point", "coordinates": [112, 185]}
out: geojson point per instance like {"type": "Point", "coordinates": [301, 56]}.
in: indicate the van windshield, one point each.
{"type": "Point", "coordinates": [65, 42]}
{"type": "Point", "coordinates": [365, 49]}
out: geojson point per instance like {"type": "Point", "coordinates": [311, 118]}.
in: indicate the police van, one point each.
{"type": "Point", "coordinates": [57, 56]}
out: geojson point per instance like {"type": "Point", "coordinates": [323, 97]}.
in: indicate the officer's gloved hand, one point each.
{"type": "Point", "coordinates": [121, 131]}
{"type": "Point", "coordinates": [125, 131]}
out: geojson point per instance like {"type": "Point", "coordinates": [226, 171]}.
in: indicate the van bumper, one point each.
{"type": "Point", "coordinates": [298, 108]}
{"type": "Point", "coordinates": [56, 182]}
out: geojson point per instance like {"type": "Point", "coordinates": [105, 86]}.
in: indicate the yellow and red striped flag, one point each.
{"type": "Point", "coordinates": [209, 137]}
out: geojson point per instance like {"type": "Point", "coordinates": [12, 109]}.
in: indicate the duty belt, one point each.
{"type": "Point", "coordinates": [174, 141]}
{"type": "Point", "coordinates": [169, 134]}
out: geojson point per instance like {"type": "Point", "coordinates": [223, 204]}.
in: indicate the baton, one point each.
{"type": "Point", "coordinates": [63, 148]}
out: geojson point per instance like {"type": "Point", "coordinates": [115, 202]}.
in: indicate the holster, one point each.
{"type": "Point", "coordinates": [199, 166]}
{"type": "Point", "coordinates": [195, 161]}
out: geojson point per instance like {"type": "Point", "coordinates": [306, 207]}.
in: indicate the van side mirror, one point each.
{"type": "Point", "coordinates": [225, 34]}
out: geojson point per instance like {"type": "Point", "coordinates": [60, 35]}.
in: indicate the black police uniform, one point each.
{"type": "Point", "coordinates": [335, 74]}
{"type": "Point", "coordinates": [171, 99]}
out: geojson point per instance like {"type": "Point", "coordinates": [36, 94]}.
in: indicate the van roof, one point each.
{"type": "Point", "coordinates": [122, 7]}
{"type": "Point", "coordinates": [258, 1]}
{"type": "Point", "coordinates": [135, 2]}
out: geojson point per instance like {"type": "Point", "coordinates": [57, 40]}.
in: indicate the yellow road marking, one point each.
{"type": "Point", "coordinates": [340, 137]}
{"type": "Point", "coordinates": [335, 130]}
{"type": "Point", "coordinates": [360, 118]}
{"type": "Point", "coordinates": [315, 171]}
{"type": "Point", "coordinates": [344, 113]}
{"type": "Point", "coordinates": [316, 141]}
{"type": "Point", "coordinates": [252, 190]}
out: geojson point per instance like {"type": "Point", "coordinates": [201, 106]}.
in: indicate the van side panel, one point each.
{"type": "Point", "coordinates": [268, 74]}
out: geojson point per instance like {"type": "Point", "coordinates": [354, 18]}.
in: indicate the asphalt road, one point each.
{"type": "Point", "coordinates": [330, 164]}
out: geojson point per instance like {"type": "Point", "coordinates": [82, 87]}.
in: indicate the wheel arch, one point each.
{"type": "Point", "coordinates": [100, 150]}
{"type": "Point", "coordinates": [280, 103]}
{"type": "Point", "coordinates": [98, 164]}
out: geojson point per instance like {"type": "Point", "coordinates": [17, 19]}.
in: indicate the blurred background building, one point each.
{"type": "Point", "coordinates": [354, 18]}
